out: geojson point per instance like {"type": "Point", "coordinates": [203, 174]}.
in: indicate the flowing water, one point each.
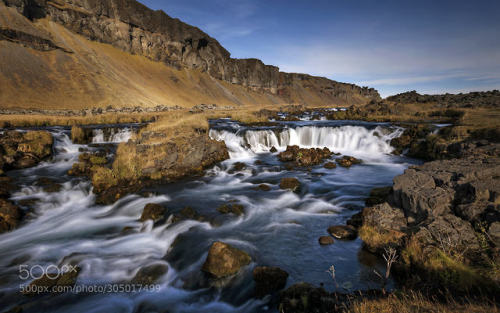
{"type": "Point", "coordinates": [279, 228]}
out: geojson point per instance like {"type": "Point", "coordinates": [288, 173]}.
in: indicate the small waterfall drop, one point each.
{"type": "Point", "coordinates": [354, 140]}
{"type": "Point", "coordinates": [111, 135]}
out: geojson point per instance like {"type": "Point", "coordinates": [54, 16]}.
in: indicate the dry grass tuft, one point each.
{"type": "Point", "coordinates": [413, 302]}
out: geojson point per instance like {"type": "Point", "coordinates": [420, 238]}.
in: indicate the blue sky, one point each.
{"type": "Point", "coordinates": [393, 46]}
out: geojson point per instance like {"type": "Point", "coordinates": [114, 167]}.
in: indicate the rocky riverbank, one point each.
{"type": "Point", "coordinates": [150, 157]}
{"type": "Point", "coordinates": [19, 150]}
{"type": "Point", "coordinates": [444, 219]}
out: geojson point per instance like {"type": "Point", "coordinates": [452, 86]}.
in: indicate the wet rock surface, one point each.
{"type": "Point", "coordinates": [20, 150]}
{"type": "Point", "coordinates": [345, 232]}
{"type": "Point", "coordinates": [150, 274]}
{"type": "Point", "coordinates": [347, 161]}
{"type": "Point", "coordinates": [443, 209]}
{"type": "Point", "coordinates": [10, 216]}
{"type": "Point", "coordinates": [290, 183]}
{"type": "Point", "coordinates": [303, 156]}
{"type": "Point", "coordinates": [153, 211]}
{"type": "Point", "coordinates": [231, 208]}
{"type": "Point", "coordinates": [268, 280]}
{"type": "Point", "coordinates": [325, 240]}
{"type": "Point", "coordinates": [224, 260]}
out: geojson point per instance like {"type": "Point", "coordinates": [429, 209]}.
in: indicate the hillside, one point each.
{"type": "Point", "coordinates": [87, 53]}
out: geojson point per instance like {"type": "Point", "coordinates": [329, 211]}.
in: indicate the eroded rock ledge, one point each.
{"type": "Point", "coordinates": [444, 219]}
{"type": "Point", "coordinates": [136, 29]}
{"type": "Point", "coordinates": [141, 162]}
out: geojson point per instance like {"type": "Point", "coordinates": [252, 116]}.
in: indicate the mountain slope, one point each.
{"type": "Point", "coordinates": [82, 53]}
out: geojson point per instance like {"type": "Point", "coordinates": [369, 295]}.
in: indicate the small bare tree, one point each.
{"type": "Point", "coordinates": [331, 271]}
{"type": "Point", "coordinates": [390, 257]}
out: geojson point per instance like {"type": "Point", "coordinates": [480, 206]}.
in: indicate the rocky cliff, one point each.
{"type": "Point", "coordinates": [138, 30]}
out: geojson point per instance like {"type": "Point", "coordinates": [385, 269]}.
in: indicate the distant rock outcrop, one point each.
{"type": "Point", "coordinates": [136, 29]}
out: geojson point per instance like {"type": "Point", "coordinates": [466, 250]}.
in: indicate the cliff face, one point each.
{"type": "Point", "coordinates": [136, 29]}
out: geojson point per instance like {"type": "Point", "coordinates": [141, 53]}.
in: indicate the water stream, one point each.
{"type": "Point", "coordinates": [279, 228]}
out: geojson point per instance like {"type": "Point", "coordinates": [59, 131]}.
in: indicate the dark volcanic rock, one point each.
{"type": "Point", "coordinates": [224, 260]}
{"type": "Point", "coordinates": [153, 211]}
{"type": "Point", "coordinates": [47, 281]}
{"type": "Point", "coordinates": [132, 27]}
{"type": "Point", "coordinates": [378, 195]}
{"type": "Point", "coordinates": [290, 183]}
{"type": "Point", "coordinates": [21, 150]}
{"type": "Point", "coordinates": [268, 280]}
{"type": "Point", "coordinates": [234, 208]}
{"type": "Point", "coordinates": [330, 165]}
{"type": "Point", "coordinates": [347, 161]}
{"type": "Point", "coordinates": [10, 216]}
{"type": "Point", "coordinates": [304, 157]}
{"type": "Point", "coordinates": [264, 187]}
{"type": "Point", "coordinates": [343, 232]}
{"type": "Point", "coordinates": [442, 209]}
{"type": "Point", "coordinates": [150, 274]}
{"type": "Point", "coordinates": [325, 240]}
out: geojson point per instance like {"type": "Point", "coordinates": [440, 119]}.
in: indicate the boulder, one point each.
{"type": "Point", "coordinates": [494, 233]}
{"type": "Point", "coordinates": [347, 161]}
{"type": "Point", "coordinates": [325, 240]}
{"type": "Point", "coordinates": [48, 185]}
{"type": "Point", "coordinates": [268, 280]}
{"type": "Point", "coordinates": [384, 216]}
{"type": "Point", "coordinates": [264, 187]}
{"type": "Point", "coordinates": [22, 150]}
{"type": "Point", "coordinates": [224, 260]}
{"type": "Point", "coordinates": [290, 183]}
{"type": "Point", "coordinates": [237, 167]}
{"type": "Point", "coordinates": [345, 232]}
{"type": "Point", "coordinates": [330, 165]}
{"type": "Point", "coordinates": [188, 213]}
{"type": "Point", "coordinates": [150, 274]}
{"type": "Point", "coordinates": [273, 149]}
{"type": "Point", "coordinates": [378, 195]}
{"type": "Point", "coordinates": [10, 216]}
{"type": "Point", "coordinates": [47, 282]}
{"type": "Point", "coordinates": [153, 211]}
{"type": "Point", "coordinates": [231, 208]}
{"type": "Point", "coordinates": [304, 157]}
{"type": "Point", "coordinates": [6, 186]}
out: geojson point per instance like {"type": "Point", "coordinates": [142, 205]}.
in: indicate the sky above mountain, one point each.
{"type": "Point", "coordinates": [433, 47]}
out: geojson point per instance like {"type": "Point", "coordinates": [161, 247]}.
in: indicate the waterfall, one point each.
{"type": "Point", "coordinates": [354, 140]}
{"type": "Point", "coordinates": [111, 135]}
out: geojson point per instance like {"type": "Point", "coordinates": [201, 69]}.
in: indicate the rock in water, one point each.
{"type": "Point", "coordinates": [342, 232]}
{"type": "Point", "coordinates": [152, 211]}
{"type": "Point", "coordinates": [330, 165]}
{"type": "Point", "coordinates": [148, 275]}
{"type": "Point", "coordinates": [303, 156]}
{"type": "Point", "coordinates": [325, 240]}
{"type": "Point", "coordinates": [290, 183]}
{"type": "Point", "coordinates": [21, 150]}
{"type": "Point", "coordinates": [264, 187]}
{"type": "Point", "coordinates": [10, 216]}
{"type": "Point", "coordinates": [268, 280]}
{"type": "Point", "coordinates": [224, 260]}
{"type": "Point", "coordinates": [233, 208]}
{"type": "Point", "coordinates": [348, 161]}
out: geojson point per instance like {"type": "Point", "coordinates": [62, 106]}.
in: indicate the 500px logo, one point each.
{"type": "Point", "coordinates": [50, 271]}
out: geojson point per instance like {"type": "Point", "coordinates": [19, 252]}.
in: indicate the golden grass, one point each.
{"type": "Point", "coordinates": [378, 240]}
{"type": "Point", "coordinates": [412, 302]}
{"type": "Point", "coordinates": [37, 120]}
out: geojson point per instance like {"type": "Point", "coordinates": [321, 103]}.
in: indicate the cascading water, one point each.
{"type": "Point", "coordinates": [111, 135]}
{"type": "Point", "coordinates": [353, 140]}
{"type": "Point", "coordinates": [278, 228]}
